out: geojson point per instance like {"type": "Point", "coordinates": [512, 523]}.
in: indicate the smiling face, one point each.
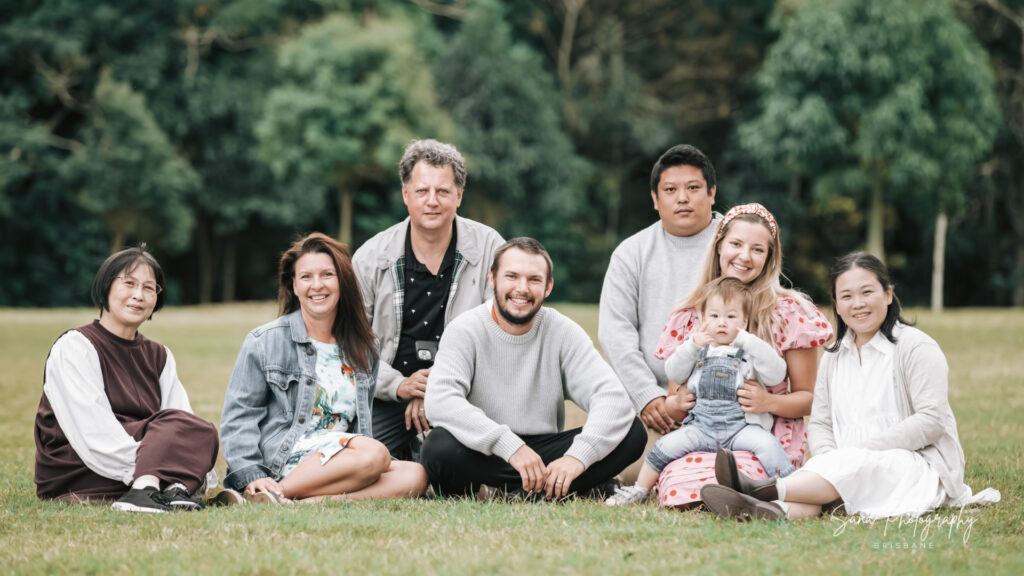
{"type": "Point", "coordinates": [431, 196]}
{"type": "Point", "coordinates": [316, 286]}
{"type": "Point", "coordinates": [744, 250]}
{"type": "Point", "coordinates": [683, 200]}
{"type": "Point", "coordinates": [130, 301]}
{"type": "Point", "coordinates": [521, 284]}
{"type": "Point", "coordinates": [862, 302]}
{"type": "Point", "coordinates": [723, 320]}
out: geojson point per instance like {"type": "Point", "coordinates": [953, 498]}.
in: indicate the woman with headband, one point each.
{"type": "Point", "coordinates": [747, 247]}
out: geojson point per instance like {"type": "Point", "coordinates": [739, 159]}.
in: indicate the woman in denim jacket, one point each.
{"type": "Point", "coordinates": [296, 421]}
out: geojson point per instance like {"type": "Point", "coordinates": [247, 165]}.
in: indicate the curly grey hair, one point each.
{"type": "Point", "coordinates": [436, 154]}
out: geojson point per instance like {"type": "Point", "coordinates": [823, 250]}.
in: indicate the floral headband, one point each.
{"type": "Point", "coordinates": [752, 208]}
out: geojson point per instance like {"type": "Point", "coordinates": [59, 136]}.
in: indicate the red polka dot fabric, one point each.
{"type": "Point", "coordinates": [793, 328]}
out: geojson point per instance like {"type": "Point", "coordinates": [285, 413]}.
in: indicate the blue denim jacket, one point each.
{"type": "Point", "coordinates": [269, 401]}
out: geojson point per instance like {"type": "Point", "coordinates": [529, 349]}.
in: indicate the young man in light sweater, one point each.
{"type": "Point", "coordinates": [649, 272]}
{"type": "Point", "coordinates": [496, 394]}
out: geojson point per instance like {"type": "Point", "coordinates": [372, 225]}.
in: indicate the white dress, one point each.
{"type": "Point", "coordinates": [873, 483]}
{"type": "Point", "coordinates": [334, 409]}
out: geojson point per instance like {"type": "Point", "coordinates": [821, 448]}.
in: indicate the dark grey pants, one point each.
{"type": "Point", "coordinates": [389, 429]}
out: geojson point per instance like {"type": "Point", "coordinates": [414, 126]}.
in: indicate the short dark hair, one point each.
{"type": "Point", "coordinates": [436, 154]}
{"type": "Point", "coordinates": [125, 261]}
{"type": "Point", "coordinates": [528, 245]}
{"type": "Point", "coordinates": [872, 264]}
{"type": "Point", "coordinates": [683, 155]}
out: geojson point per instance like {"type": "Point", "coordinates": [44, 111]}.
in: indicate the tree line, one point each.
{"type": "Point", "coordinates": [217, 130]}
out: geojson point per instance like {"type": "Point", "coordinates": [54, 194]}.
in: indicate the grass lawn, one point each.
{"type": "Point", "coordinates": [464, 537]}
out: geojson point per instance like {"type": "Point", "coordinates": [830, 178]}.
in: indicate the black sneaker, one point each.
{"type": "Point", "coordinates": [142, 500]}
{"type": "Point", "coordinates": [179, 499]}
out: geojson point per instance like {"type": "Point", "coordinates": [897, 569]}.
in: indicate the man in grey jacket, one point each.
{"type": "Point", "coordinates": [415, 277]}
{"type": "Point", "coordinates": [650, 271]}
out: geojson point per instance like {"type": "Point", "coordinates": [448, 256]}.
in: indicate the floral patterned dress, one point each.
{"type": "Point", "coordinates": [334, 410]}
{"type": "Point", "coordinates": [795, 326]}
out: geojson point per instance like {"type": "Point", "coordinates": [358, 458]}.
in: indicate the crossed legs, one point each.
{"type": "Point", "coordinates": [362, 470]}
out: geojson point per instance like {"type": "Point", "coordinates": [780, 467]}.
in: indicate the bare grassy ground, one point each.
{"type": "Point", "coordinates": [437, 536]}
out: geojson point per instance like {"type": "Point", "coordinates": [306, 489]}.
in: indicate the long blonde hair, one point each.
{"type": "Point", "coordinates": [764, 290]}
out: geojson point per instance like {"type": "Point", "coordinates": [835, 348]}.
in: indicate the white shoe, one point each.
{"type": "Point", "coordinates": [628, 495]}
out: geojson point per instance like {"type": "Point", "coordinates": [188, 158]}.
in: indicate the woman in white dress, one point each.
{"type": "Point", "coordinates": [882, 433]}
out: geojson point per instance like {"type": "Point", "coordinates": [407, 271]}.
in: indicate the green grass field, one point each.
{"type": "Point", "coordinates": [437, 536]}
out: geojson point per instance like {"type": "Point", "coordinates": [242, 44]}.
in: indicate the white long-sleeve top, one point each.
{"type": "Point", "coordinates": [74, 387]}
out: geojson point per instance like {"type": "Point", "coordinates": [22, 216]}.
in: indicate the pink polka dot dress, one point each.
{"type": "Point", "coordinates": [793, 328]}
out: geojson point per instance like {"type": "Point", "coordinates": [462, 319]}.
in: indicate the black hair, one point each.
{"type": "Point", "coordinates": [125, 261]}
{"type": "Point", "coordinates": [872, 264]}
{"type": "Point", "coordinates": [528, 245]}
{"type": "Point", "coordinates": [683, 155]}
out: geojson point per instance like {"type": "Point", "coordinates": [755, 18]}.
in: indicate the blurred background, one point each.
{"type": "Point", "coordinates": [218, 131]}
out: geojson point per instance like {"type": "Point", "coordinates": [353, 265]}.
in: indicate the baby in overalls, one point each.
{"type": "Point", "coordinates": [714, 362]}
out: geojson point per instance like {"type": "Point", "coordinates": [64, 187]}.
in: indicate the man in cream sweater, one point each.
{"type": "Point", "coordinates": [650, 271]}
{"type": "Point", "coordinates": [497, 392]}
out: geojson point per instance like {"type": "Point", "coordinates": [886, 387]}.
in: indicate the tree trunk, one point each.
{"type": "Point", "coordinates": [204, 251]}
{"type": "Point", "coordinates": [1018, 292]}
{"type": "Point", "coordinates": [1016, 205]}
{"type": "Point", "coordinates": [939, 261]}
{"type": "Point", "coordinates": [345, 215]}
{"type": "Point", "coordinates": [116, 240]}
{"type": "Point", "coordinates": [876, 222]}
{"type": "Point", "coordinates": [794, 188]}
{"type": "Point", "coordinates": [229, 268]}
{"type": "Point", "coordinates": [611, 228]}
{"type": "Point", "coordinates": [572, 15]}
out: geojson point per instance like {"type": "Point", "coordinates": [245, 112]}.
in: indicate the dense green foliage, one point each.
{"type": "Point", "coordinates": [874, 100]}
{"type": "Point", "coordinates": [217, 130]}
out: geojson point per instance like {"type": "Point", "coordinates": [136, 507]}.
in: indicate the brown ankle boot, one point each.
{"type": "Point", "coordinates": [728, 503]}
{"type": "Point", "coordinates": [728, 475]}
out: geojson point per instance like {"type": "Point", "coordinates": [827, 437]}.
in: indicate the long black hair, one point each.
{"type": "Point", "coordinates": [872, 264]}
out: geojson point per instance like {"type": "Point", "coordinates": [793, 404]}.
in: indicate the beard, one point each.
{"type": "Point", "coordinates": [518, 320]}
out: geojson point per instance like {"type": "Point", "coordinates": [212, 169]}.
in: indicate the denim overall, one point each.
{"type": "Point", "coordinates": [718, 420]}
{"type": "Point", "coordinates": [717, 407]}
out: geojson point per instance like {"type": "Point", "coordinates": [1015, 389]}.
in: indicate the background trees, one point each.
{"type": "Point", "coordinates": [879, 100]}
{"type": "Point", "coordinates": [353, 94]}
{"type": "Point", "coordinates": [216, 130]}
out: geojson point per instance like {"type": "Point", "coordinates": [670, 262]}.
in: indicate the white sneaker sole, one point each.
{"type": "Point", "coordinates": [184, 505]}
{"type": "Point", "coordinates": [126, 507]}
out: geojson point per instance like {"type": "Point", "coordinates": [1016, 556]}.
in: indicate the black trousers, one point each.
{"type": "Point", "coordinates": [389, 429]}
{"type": "Point", "coordinates": [455, 470]}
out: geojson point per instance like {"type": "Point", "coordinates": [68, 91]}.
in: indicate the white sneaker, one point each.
{"type": "Point", "coordinates": [628, 495]}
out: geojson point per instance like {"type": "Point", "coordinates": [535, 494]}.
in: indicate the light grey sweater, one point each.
{"type": "Point", "coordinates": [488, 387]}
{"type": "Point", "coordinates": [648, 273]}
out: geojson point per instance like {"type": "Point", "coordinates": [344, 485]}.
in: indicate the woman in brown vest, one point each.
{"type": "Point", "coordinates": [114, 422]}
